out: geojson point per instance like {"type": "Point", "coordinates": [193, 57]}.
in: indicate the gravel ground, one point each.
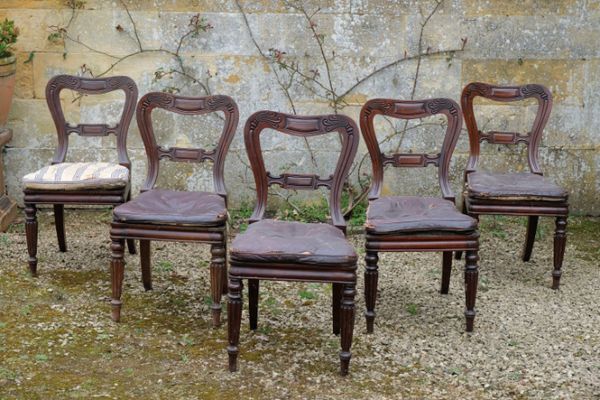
{"type": "Point", "coordinates": [57, 339]}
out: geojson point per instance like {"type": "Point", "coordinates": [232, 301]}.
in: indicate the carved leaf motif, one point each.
{"type": "Point", "coordinates": [272, 118]}
{"type": "Point", "coordinates": [218, 102]}
{"type": "Point", "coordinates": [113, 82]}
{"type": "Point", "coordinates": [435, 106]}
{"type": "Point", "coordinates": [533, 90]}
{"type": "Point", "coordinates": [478, 88]}
{"type": "Point", "coordinates": [386, 107]}
{"type": "Point", "coordinates": [66, 81]}
{"type": "Point", "coordinates": [332, 122]}
{"type": "Point", "coordinates": [158, 99]}
{"type": "Point", "coordinates": [121, 81]}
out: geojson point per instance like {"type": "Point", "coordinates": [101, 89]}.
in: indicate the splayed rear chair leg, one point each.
{"type": "Point", "coordinates": [446, 271]}
{"type": "Point", "coordinates": [532, 224]}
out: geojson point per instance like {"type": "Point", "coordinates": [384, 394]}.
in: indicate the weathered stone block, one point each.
{"type": "Point", "coordinates": [532, 37]}
{"type": "Point", "coordinates": [479, 8]}
{"type": "Point", "coordinates": [140, 68]}
{"type": "Point", "coordinates": [31, 4]}
{"type": "Point", "coordinates": [24, 78]}
{"type": "Point", "coordinates": [32, 124]}
{"type": "Point", "coordinates": [34, 26]}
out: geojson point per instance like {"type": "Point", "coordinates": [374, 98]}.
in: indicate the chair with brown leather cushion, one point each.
{"type": "Point", "coordinates": [79, 183]}
{"type": "Point", "coordinates": [409, 223]}
{"type": "Point", "coordinates": [289, 250]}
{"type": "Point", "coordinates": [169, 215]}
{"type": "Point", "coordinates": [520, 194]}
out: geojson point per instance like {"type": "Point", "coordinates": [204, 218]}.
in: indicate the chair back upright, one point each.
{"type": "Point", "coordinates": [302, 126]}
{"type": "Point", "coordinates": [406, 110]}
{"type": "Point", "coordinates": [186, 106]}
{"type": "Point", "coordinates": [506, 94]}
{"type": "Point", "coordinates": [91, 86]}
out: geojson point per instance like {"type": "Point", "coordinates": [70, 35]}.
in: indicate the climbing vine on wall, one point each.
{"type": "Point", "coordinates": [317, 75]}
{"type": "Point", "coordinates": [314, 73]}
{"type": "Point", "coordinates": [197, 24]}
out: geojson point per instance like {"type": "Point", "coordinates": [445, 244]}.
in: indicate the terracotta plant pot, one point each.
{"type": "Point", "coordinates": [8, 67]}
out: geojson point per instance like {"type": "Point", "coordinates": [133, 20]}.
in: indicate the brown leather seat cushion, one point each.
{"type": "Point", "coordinates": [174, 208]}
{"type": "Point", "coordinates": [270, 241]}
{"type": "Point", "coordinates": [406, 214]}
{"type": "Point", "coordinates": [513, 186]}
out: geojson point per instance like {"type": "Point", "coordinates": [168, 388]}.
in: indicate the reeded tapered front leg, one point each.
{"type": "Point", "coordinates": [234, 321]}
{"type": "Point", "coordinates": [117, 273]}
{"type": "Point", "coordinates": [253, 286]}
{"type": "Point", "coordinates": [471, 278]}
{"type": "Point", "coordinates": [371, 277]}
{"type": "Point", "coordinates": [347, 326]}
{"type": "Point", "coordinates": [31, 233]}
{"type": "Point", "coordinates": [59, 223]}
{"type": "Point", "coordinates": [458, 254]}
{"type": "Point", "coordinates": [336, 304]}
{"type": "Point", "coordinates": [217, 263]}
{"type": "Point", "coordinates": [560, 242]}
{"type": "Point", "coordinates": [130, 242]}
{"type": "Point", "coordinates": [446, 271]}
{"type": "Point", "coordinates": [145, 256]}
{"type": "Point", "coordinates": [225, 266]}
{"type": "Point", "coordinates": [532, 224]}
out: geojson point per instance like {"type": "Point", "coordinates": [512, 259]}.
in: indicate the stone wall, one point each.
{"type": "Point", "coordinates": [551, 42]}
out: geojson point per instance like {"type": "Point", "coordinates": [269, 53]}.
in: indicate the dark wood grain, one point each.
{"type": "Point", "coordinates": [187, 106]}
{"type": "Point", "coordinates": [216, 236]}
{"type": "Point", "coordinates": [506, 94]}
{"type": "Point", "coordinates": [410, 110]}
{"type": "Point", "coordinates": [532, 209]}
{"type": "Point", "coordinates": [445, 242]}
{"type": "Point", "coordinates": [342, 277]}
{"type": "Point", "coordinates": [304, 126]}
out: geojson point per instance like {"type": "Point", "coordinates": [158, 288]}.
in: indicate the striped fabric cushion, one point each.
{"type": "Point", "coordinates": [73, 176]}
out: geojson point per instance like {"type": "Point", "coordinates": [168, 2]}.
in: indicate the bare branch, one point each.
{"type": "Point", "coordinates": [135, 31]}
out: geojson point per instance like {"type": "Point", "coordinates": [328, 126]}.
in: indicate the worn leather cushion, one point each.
{"type": "Point", "coordinates": [77, 176]}
{"type": "Point", "coordinates": [517, 186]}
{"type": "Point", "coordinates": [172, 207]}
{"type": "Point", "coordinates": [270, 241]}
{"type": "Point", "coordinates": [405, 214]}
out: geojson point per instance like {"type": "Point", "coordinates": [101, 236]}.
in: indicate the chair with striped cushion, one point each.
{"type": "Point", "coordinates": [79, 183]}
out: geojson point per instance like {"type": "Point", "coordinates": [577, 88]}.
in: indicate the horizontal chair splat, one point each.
{"type": "Point", "coordinates": [503, 137]}
{"type": "Point", "coordinates": [299, 181]}
{"type": "Point", "coordinates": [411, 160]}
{"type": "Point", "coordinates": [92, 130]}
{"type": "Point", "coordinates": [183, 154]}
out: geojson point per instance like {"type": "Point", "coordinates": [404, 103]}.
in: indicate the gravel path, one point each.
{"type": "Point", "coordinates": [57, 339]}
